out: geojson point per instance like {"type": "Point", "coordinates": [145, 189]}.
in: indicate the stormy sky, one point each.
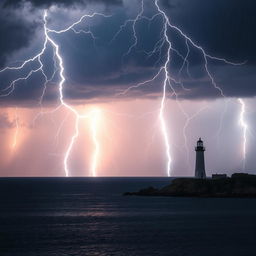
{"type": "Point", "coordinates": [103, 56]}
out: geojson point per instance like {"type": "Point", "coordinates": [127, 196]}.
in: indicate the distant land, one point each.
{"type": "Point", "coordinates": [239, 185]}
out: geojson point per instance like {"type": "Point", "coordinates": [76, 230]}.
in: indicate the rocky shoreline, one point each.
{"type": "Point", "coordinates": [239, 185]}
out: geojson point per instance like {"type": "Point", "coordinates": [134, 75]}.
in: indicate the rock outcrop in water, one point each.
{"type": "Point", "coordinates": [239, 185]}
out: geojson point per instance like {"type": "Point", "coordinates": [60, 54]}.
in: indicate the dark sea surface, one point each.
{"type": "Point", "coordinates": [85, 216]}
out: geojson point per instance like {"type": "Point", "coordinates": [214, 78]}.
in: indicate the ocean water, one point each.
{"type": "Point", "coordinates": [83, 216]}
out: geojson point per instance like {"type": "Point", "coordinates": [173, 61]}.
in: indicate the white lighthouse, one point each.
{"type": "Point", "coordinates": [200, 167]}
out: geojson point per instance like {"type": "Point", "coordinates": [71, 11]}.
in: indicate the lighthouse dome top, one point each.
{"type": "Point", "coordinates": [200, 145]}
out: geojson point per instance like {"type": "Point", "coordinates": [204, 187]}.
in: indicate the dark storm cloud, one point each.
{"type": "Point", "coordinates": [223, 28]}
{"type": "Point", "coordinates": [15, 34]}
{"type": "Point", "coordinates": [169, 4]}
{"type": "Point", "coordinates": [16, 31]}
{"type": "Point", "coordinates": [219, 27]}
{"type": "Point", "coordinates": [44, 3]}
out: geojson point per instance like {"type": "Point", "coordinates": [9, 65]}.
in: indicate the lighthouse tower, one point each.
{"type": "Point", "coordinates": [200, 168]}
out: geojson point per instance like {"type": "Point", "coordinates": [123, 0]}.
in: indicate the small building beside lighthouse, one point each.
{"type": "Point", "coordinates": [200, 165]}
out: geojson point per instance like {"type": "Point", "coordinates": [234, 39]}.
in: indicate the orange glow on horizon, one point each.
{"type": "Point", "coordinates": [115, 139]}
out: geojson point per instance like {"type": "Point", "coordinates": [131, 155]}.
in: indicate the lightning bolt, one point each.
{"type": "Point", "coordinates": [168, 79]}
{"type": "Point", "coordinates": [244, 126]}
{"type": "Point", "coordinates": [48, 40]}
{"type": "Point", "coordinates": [162, 108]}
{"type": "Point", "coordinates": [69, 107]}
{"type": "Point", "coordinates": [14, 143]}
{"type": "Point", "coordinates": [206, 56]}
{"type": "Point", "coordinates": [94, 128]}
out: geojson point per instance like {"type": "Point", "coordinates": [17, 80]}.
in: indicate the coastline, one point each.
{"type": "Point", "coordinates": [239, 185]}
